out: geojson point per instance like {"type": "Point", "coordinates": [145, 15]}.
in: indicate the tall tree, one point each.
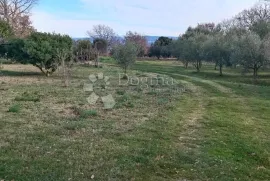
{"type": "Point", "coordinates": [103, 32]}
{"type": "Point", "coordinates": [161, 47]}
{"type": "Point", "coordinates": [204, 28]}
{"type": "Point", "coordinates": [180, 50]}
{"type": "Point", "coordinates": [163, 41]}
{"type": "Point", "coordinates": [191, 50]}
{"type": "Point", "coordinates": [249, 17]}
{"type": "Point", "coordinates": [217, 49]}
{"type": "Point", "coordinates": [252, 52]}
{"type": "Point", "coordinates": [139, 40]}
{"type": "Point", "coordinates": [155, 51]}
{"type": "Point", "coordinates": [100, 45]}
{"type": "Point", "coordinates": [16, 13]}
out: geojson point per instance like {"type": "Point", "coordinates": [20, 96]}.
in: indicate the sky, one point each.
{"type": "Point", "coordinates": [148, 17]}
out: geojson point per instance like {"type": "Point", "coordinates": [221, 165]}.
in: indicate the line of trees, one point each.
{"type": "Point", "coordinates": [242, 41]}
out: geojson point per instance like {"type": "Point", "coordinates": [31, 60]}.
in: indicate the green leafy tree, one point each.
{"type": "Point", "coordinates": [194, 50]}
{"type": "Point", "coordinates": [262, 28]}
{"type": "Point", "coordinates": [163, 41]}
{"type": "Point", "coordinates": [206, 29]}
{"type": "Point", "coordinates": [101, 45]}
{"type": "Point", "coordinates": [5, 34]}
{"type": "Point", "coordinates": [166, 51]}
{"type": "Point", "coordinates": [161, 47]}
{"type": "Point", "coordinates": [155, 51]}
{"type": "Point", "coordinates": [15, 49]}
{"type": "Point", "coordinates": [217, 49]}
{"type": "Point", "coordinates": [5, 31]}
{"type": "Point", "coordinates": [125, 55]}
{"type": "Point", "coordinates": [43, 50]}
{"type": "Point", "coordinates": [180, 50]}
{"type": "Point", "coordinates": [252, 52]}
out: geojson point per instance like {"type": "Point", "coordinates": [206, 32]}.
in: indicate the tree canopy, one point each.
{"type": "Point", "coordinates": [126, 55]}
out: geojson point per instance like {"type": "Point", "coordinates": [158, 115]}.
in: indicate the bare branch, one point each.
{"type": "Point", "coordinates": [103, 32]}
{"type": "Point", "coordinates": [16, 13]}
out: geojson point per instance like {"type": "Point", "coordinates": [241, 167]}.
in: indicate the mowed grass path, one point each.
{"type": "Point", "coordinates": [219, 129]}
{"type": "Point", "coordinates": [229, 124]}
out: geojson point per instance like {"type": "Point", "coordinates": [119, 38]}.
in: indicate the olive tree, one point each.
{"type": "Point", "coordinates": [125, 55]}
{"type": "Point", "coordinates": [193, 50]}
{"type": "Point", "coordinates": [252, 52]}
{"type": "Point", "coordinates": [217, 49]}
{"type": "Point", "coordinates": [180, 50]}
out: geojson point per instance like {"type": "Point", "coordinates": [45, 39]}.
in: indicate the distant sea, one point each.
{"type": "Point", "coordinates": [150, 39]}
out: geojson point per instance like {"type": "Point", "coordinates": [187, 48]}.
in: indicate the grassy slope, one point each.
{"type": "Point", "coordinates": [218, 130]}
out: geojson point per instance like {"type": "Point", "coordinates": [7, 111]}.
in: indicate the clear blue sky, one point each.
{"type": "Point", "coordinates": [149, 17]}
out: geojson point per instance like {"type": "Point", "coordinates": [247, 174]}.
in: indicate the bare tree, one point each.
{"type": "Point", "coordinates": [103, 32]}
{"type": "Point", "coordinates": [11, 9]}
{"type": "Point", "coordinates": [139, 40]}
{"type": "Point", "coordinates": [16, 13]}
{"type": "Point", "coordinates": [259, 13]}
{"type": "Point", "coordinates": [65, 58]}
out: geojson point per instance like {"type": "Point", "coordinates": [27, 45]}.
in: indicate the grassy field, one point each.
{"type": "Point", "coordinates": [203, 127]}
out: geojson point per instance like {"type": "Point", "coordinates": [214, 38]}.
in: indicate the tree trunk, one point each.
{"type": "Point", "coordinates": [97, 59]}
{"type": "Point", "coordinates": [186, 65]}
{"type": "Point", "coordinates": [198, 66]}
{"type": "Point", "coordinates": [220, 70]}
{"type": "Point", "coordinates": [41, 69]}
{"type": "Point", "coordinates": [255, 72]}
{"type": "Point", "coordinates": [125, 77]}
{"type": "Point", "coordinates": [65, 74]}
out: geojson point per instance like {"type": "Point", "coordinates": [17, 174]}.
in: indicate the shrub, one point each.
{"type": "Point", "coordinates": [14, 108]}
{"type": "Point", "coordinates": [27, 97]}
{"type": "Point", "coordinates": [85, 113]}
{"type": "Point", "coordinates": [73, 126]}
{"type": "Point", "coordinates": [120, 92]}
{"type": "Point", "coordinates": [41, 50]}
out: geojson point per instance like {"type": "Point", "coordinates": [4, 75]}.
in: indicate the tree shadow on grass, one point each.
{"type": "Point", "coordinates": [19, 74]}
